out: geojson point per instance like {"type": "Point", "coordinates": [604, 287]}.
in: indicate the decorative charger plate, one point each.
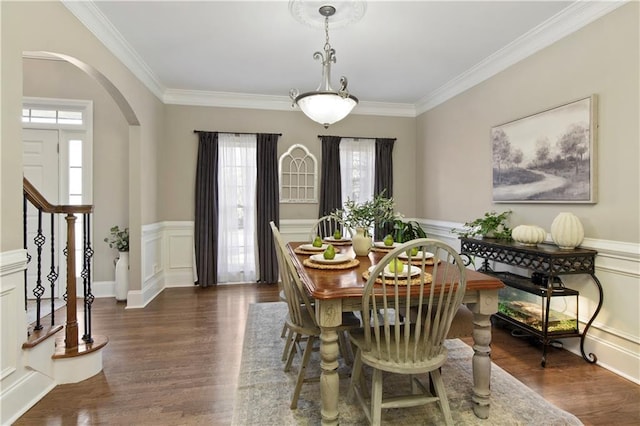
{"type": "Point", "coordinates": [339, 258]}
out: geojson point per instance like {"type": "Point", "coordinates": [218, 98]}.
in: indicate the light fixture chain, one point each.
{"type": "Point", "coordinates": [326, 32]}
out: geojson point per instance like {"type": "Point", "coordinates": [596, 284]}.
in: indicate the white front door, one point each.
{"type": "Point", "coordinates": [41, 168]}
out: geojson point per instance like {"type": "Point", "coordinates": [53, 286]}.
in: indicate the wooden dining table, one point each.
{"type": "Point", "coordinates": [340, 290]}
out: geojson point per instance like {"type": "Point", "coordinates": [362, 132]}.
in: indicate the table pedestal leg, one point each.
{"type": "Point", "coordinates": [329, 316]}
{"type": "Point", "coordinates": [329, 380]}
{"type": "Point", "coordinates": [481, 364]}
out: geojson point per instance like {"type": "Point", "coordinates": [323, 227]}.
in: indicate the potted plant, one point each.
{"type": "Point", "coordinates": [404, 231]}
{"type": "Point", "coordinates": [361, 217]}
{"type": "Point", "coordinates": [119, 240]}
{"type": "Point", "coordinates": [491, 225]}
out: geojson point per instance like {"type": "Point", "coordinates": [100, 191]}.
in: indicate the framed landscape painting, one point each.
{"type": "Point", "coordinates": [548, 157]}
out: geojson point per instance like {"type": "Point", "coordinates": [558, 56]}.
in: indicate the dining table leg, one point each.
{"type": "Point", "coordinates": [329, 316]}
{"type": "Point", "coordinates": [486, 306]}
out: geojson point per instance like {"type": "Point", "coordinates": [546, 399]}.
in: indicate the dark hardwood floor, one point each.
{"type": "Point", "coordinates": [176, 362]}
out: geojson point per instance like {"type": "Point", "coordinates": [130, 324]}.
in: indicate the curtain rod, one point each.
{"type": "Point", "coordinates": [356, 137]}
{"type": "Point", "coordinates": [234, 133]}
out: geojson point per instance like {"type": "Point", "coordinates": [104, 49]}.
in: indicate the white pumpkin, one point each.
{"type": "Point", "coordinates": [529, 235]}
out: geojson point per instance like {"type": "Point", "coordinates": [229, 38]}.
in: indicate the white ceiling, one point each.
{"type": "Point", "coordinates": [401, 57]}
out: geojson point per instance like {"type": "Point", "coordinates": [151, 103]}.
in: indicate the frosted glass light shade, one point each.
{"type": "Point", "coordinates": [326, 108]}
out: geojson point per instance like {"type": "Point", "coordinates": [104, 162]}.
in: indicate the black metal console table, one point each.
{"type": "Point", "coordinates": [546, 262]}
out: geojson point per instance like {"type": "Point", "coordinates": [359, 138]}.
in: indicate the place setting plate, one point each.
{"type": "Point", "coordinates": [340, 261]}
{"type": "Point", "coordinates": [418, 256]}
{"type": "Point", "coordinates": [407, 271]}
{"type": "Point", "coordinates": [380, 246]}
{"type": "Point", "coordinates": [311, 247]}
{"type": "Point", "coordinates": [339, 241]}
{"type": "Point", "coordinates": [410, 275]}
{"type": "Point", "coordinates": [339, 258]}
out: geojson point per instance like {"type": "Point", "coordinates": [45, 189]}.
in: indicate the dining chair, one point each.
{"type": "Point", "coordinates": [416, 303]}
{"type": "Point", "coordinates": [301, 319]}
{"type": "Point", "coordinates": [326, 226]}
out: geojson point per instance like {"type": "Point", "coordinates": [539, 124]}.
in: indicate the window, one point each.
{"type": "Point", "coordinates": [357, 168]}
{"type": "Point", "coordinates": [237, 207]}
{"type": "Point", "coordinates": [51, 116]}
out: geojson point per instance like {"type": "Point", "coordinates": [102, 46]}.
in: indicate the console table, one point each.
{"type": "Point", "coordinates": [545, 263]}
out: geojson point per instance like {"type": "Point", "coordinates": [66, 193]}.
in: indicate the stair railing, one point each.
{"type": "Point", "coordinates": [33, 196]}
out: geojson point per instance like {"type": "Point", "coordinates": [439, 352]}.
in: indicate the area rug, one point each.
{"type": "Point", "coordinates": [264, 389]}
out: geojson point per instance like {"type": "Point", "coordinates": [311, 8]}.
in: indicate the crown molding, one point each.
{"type": "Point", "coordinates": [571, 19]}
{"type": "Point", "coordinates": [95, 21]}
{"type": "Point", "coordinates": [564, 23]}
{"type": "Point", "coordinates": [275, 103]}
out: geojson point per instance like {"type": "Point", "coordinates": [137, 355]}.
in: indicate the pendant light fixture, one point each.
{"type": "Point", "coordinates": [325, 105]}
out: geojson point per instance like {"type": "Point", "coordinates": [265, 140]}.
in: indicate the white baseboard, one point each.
{"type": "Point", "coordinates": [18, 398]}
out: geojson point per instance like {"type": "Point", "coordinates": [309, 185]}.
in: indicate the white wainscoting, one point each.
{"type": "Point", "coordinates": [614, 336]}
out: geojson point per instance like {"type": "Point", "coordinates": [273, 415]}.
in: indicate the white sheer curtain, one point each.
{"type": "Point", "coordinates": [357, 169]}
{"type": "Point", "coordinates": [237, 208]}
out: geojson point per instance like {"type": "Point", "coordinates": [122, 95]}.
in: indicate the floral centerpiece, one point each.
{"type": "Point", "coordinates": [118, 239]}
{"type": "Point", "coordinates": [355, 215]}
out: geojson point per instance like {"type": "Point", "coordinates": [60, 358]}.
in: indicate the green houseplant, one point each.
{"type": "Point", "coordinates": [118, 238]}
{"type": "Point", "coordinates": [404, 231]}
{"type": "Point", "coordinates": [491, 225]}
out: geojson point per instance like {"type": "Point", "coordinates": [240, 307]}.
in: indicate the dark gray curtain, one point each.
{"type": "Point", "coordinates": [206, 211]}
{"type": "Point", "coordinates": [384, 177]}
{"type": "Point", "coordinates": [330, 184]}
{"type": "Point", "coordinates": [267, 205]}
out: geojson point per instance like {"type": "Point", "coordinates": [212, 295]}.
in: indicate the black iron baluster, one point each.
{"type": "Point", "coordinates": [24, 239]}
{"type": "Point", "coordinates": [53, 274]}
{"type": "Point", "coordinates": [38, 291]}
{"type": "Point", "coordinates": [86, 277]}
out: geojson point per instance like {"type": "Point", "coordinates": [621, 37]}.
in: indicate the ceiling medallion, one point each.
{"type": "Point", "coordinates": [347, 12]}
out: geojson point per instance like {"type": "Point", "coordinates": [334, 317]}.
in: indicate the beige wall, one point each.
{"type": "Point", "coordinates": [453, 138]}
{"type": "Point", "coordinates": [178, 155]}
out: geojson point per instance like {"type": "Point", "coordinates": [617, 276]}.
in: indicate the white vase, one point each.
{"type": "Point", "coordinates": [567, 231]}
{"type": "Point", "coordinates": [122, 276]}
{"type": "Point", "coordinates": [361, 243]}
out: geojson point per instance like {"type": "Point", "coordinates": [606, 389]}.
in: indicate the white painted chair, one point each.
{"type": "Point", "coordinates": [407, 336]}
{"type": "Point", "coordinates": [301, 320]}
{"type": "Point", "coordinates": [326, 226]}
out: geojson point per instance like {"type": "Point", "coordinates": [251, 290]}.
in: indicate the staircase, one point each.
{"type": "Point", "coordinates": [78, 354]}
